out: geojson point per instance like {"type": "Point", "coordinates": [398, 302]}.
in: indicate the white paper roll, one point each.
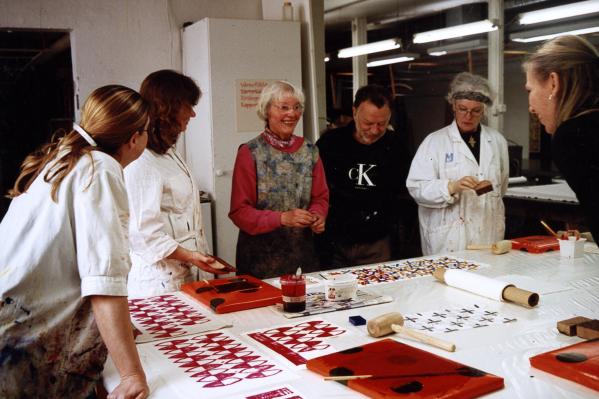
{"type": "Point", "coordinates": [480, 285]}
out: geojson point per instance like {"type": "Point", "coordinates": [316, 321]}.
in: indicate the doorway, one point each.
{"type": "Point", "coordinates": [36, 96]}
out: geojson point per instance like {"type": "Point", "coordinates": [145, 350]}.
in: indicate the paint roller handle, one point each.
{"type": "Point", "coordinates": [425, 339]}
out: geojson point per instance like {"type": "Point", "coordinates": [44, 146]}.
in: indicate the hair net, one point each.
{"type": "Point", "coordinates": [466, 86]}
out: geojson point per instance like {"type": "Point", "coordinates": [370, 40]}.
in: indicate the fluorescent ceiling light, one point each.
{"type": "Point", "coordinates": [369, 48]}
{"type": "Point", "coordinates": [455, 31]}
{"type": "Point", "coordinates": [458, 47]}
{"type": "Point", "coordinates": [392, 59]}
{"type": "Point", "coordinates": [559, 12]}
{"type": "Point", "coordinates": [327, 58]}
{"type": "Point", "coordinates": [536, 35]}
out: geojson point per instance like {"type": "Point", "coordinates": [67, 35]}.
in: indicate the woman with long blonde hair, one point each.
{"type": "Point", "coordinates": [64, 258]}
{"type": "Point", "coordinates": [562, 80]}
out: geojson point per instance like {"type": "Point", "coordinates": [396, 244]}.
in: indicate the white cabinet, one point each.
{"type": "Point", "coordinates": [218, 54]}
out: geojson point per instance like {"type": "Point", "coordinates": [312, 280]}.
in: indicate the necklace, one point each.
{"type": "Point", "coordinates": [278, 142]}
{"type": "Point", "coordinates": [472, 141]}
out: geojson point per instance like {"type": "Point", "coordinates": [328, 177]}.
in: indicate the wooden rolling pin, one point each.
{"type": "Point", "coordinates": [498, 248]}
{"type": "Point", "coordinates": [393, 322]}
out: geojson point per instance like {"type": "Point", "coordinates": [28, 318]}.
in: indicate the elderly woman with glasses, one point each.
{"type": "Point", "coordinates": [460, 173]}
{"type": "Point", "coordinates": [279, 196]}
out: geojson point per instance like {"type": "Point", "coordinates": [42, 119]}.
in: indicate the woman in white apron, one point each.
{"type": "Point", "coordinates": [448, 166]}
{"type": "Point", "coordinates": [166, 234]}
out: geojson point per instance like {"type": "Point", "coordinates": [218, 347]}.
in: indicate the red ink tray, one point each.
{"type": "Point", "coordinates": [401, 371]}
{"type": "Point", "coordinates": [536, 244]}
{"type": "Point", "coordinates": [227, 295]}
{"type": "Point", "coordinates": [578, 363]}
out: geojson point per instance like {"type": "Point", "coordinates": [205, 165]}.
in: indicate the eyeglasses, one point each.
{"type": "Point", "coordinates": [286, 108]}
{"type": "Point", "coordinates": [465, 111]}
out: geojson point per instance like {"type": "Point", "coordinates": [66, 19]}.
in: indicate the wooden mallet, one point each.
{"type": "Point", "coordinates": [498, 248]}
{"type": "Point", "coordinates": [393, 322]}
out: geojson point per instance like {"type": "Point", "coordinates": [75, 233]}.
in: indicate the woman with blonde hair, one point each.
{"type": "Point", "coordinates": [279, 196]}
{"type": "Point", "coordinates": [562, 80]}
{"type": "Point", "coordinates": [64, 258]}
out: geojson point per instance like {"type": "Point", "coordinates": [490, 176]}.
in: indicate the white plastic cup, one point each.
{"type": "Point", "coordinates": [572, 248]}
{"type": "Point", "coordinates": [341, 288]}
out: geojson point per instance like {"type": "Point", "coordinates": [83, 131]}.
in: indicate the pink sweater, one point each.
{"type": "Point", "coordinates": [243, 194]}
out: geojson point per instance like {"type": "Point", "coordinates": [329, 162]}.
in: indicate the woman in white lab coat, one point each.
{"type": "Point", "coordinates": [166, 234]}
{"type": "Point", "coordinates": [64, 258]}
{"type": "Point", "coordinates": [447, 167]}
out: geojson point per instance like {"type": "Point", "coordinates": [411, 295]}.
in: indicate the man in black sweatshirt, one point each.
{"type": "Point", "coordinates": [365, 168]}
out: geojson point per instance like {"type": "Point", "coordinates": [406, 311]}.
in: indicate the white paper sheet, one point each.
{"type": "Point", "coordinates": [301, 341]}
{"type": "Point", "coordinates": [211, 365]}
{"type": "Point", "coordinates": [169, 316]}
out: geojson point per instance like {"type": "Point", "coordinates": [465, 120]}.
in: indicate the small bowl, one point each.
{"type": "Point", "coordinates": [341, 288]}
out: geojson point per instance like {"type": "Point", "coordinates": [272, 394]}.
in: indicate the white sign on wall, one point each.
{"type": "Point", "coordinates": [247, 95]}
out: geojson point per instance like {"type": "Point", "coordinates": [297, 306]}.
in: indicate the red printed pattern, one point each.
{"type": "Point", "coordinates": [216, 360]}
{"type": "Point", "coordinates": [290, 341]}
{"type": "Point", "coordinates": [165, 316]}
{"type": "Point", "coordinates": [277, 393]}
{"type": "Point", "coordinates": [303, 337]}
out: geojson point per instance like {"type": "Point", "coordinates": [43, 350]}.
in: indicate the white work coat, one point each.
{"type": "Point", "coordinates": [450, 222]}
{"type": "Point", "coordinates": [53, 256]}
{"type": "Point", "coordinates": [164, 202]}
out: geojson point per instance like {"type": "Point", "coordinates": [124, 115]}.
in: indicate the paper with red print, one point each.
{"type": "Point", "coordinates": [169, 316]}
{"type": "Point", "coordinates": [210, 365]}
{"type": "Point", "coordinates": [301, 341]}
{"type": "Point", "coordinates": [282, 392]}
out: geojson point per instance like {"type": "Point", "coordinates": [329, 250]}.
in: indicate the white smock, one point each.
{"type": "Point", "coordinates": [165, 212]}
{"type": "Point", "coordinates": [450, 222]}
{"type": "Point", "coordinates": [53, 256]}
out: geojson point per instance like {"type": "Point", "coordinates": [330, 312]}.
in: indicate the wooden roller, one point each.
{"type": "Point", "coordinates": [498, 248]}
{"type": "Point", "coordinates": [393, 322]}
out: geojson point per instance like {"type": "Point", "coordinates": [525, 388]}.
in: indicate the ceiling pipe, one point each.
{"type": "Point", "coordinates": [389, 11]}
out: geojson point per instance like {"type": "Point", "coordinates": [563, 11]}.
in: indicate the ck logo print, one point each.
{"type": "Point", "coordinates": [448, 157]}
{"type": "Point", "coordinates": [361, 174]}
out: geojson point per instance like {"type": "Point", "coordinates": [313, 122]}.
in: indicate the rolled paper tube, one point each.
{"type": "Point", "coordinates": [521, 297]}
{"type": "Point", "coordinates": [487, 287]}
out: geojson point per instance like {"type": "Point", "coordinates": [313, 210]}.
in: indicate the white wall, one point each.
{"type": "Point", "coordinates": [120, 41]}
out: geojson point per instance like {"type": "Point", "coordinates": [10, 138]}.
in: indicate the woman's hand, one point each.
{"type": "Point", "coordinates": [198, 259]}
{"type": "Point", "coordinates": [459, 185]}
{"type": "Point", "coordinates": [112, 318]}
{"type": "Point", "coordinates": [297, 218]}
{"type": "Point", "coordinates": [318, 225]}
{"type": "Point", "coordinates": [131, 387]}
{"type": "Point", "coordinates": [207, 263]}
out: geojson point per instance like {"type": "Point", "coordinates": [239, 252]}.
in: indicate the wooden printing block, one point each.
{"type": "Point", "coordinates": [483, 187]}
{"type": "Point", "coordinates": [588, 329]}
{"type": "Point", "coordinates": [569, 326]}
